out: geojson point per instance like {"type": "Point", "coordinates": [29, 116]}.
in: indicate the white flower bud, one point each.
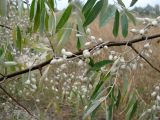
{"type": "Point", "coordinates": [106, 47]}
{"type": "Point", "coordinates": [63, 51]}
{"type": "Point", "coordinates": [86, 53]}
{"type": "Point", "coordinates": [53, 61]}
{"type": "Point", "coordinates": [153, 94]}
{"type": "Point", "coordinates": [142, 31]}
{"type": "Point", "coordinates": [80, 63]}
{"type": "Point", "coordinates": [154, 22]}
{"type": "Point", "coordinates": [93, 38]}
{"type": "Point", "coordinates": [100, 40]}
{"type": "Point", "coordinates": [87, 43]}
{"type": "Point", "coordinates": [37, 100]}
{"type": "Point", "coordinates": [78, 35]}
{"type": "Point", "coordinates": [110, 57]}
{"type": "Point", "coordinates": [157, 88]}
{"type": "Point", "coordinates": [134, 30]}
{"type": "Point", "coordinates": [154, 107]}
{"type": "Point", "coordinates": [158, 97]}
{"type": "Point", "coordinates": [28, 81]}
{"type": "Point", "coordinates": [149, 110]}
{"type": "Point", "coordinates": [68, 53]}
{"type": "Point", "coordinates": [88, 31]}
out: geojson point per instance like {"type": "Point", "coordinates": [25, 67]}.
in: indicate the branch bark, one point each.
{"type": "Point", "coordinates": [101, 45]}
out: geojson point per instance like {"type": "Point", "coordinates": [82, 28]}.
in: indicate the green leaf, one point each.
{"type": "Point", "coordinates": [109, 112]}
{"type": "Point", "coordinates": [1, 51]}
{"type": "Point", "coordinates": [130, 16]}
{"type": "Point", "coordinates": [3, 7]}
{"type": "Point", "coordinates": [91, 108]}
{"type": "Point", "coordinates": [46, 21]}
{"type": "Point", "coordinates": [42, 21]}
{"type": "Point", "coordinates": [124, 24]}
{"type": "Point", "coordinates": [116, 24]}
{"type": "Point", "coordinates": [87, 7]}
{"type": "Point", "coordinates": [131, 111]}
{"type": "Point", "coordinates": [118, 98]}
{"type": "Point", "coordinates": [51, 4]}
{"type": "Point", "coordinates": [18, 39]}
{"type": "Point", "coordinates": [64, 38]}
{"type": "Point", "coordinates": [37, 18]}
{"type": "Point", "coordinates": [78, 40]}
{"type": "Point", "coordinates": [33, 9]}
{"type": "Point", "coordinates": [64, 18]}
{"type": "Point", "coordinates": [98, 65]}
{"type": "Point", "coordinates": [121, 3]}
{"type": "Point", "coordinates": [133, 2]}
{"type": "Point", "coordinates": [93, 13]}
{"type": "Point", "coordinates": [107, 15]}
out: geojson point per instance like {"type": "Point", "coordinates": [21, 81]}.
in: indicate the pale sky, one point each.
{"type": "Point", "coordinates": [63, 3]}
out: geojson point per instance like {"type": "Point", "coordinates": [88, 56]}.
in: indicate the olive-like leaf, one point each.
{"type": "Point", "coordinates": [51, 4]}
{"type": "Point", "coordinates": [93, 13]}
{"type": "Point", "coordinates": [37, 18]}
{"type": "Point", "coordinates": [33, 9]}
{"type": "Point", "coordinates": [87, 7]}
{"type": "Point", "coordinates": [106, 15]}
{"type": "Point", "coordinates": [64, 18]}
{"type": "Point", "coordinates": [130, 16]}
{"type": "Point", "coordinates": [18, 39]}
{"type": "Point", "coordinates": [124, 25]}
{"type": "Point", "coordinates": [133, 2]}
{"type": "Point", "coordinates": [121, 3]}
{"type": "Point", "coordinates": [116, 24]}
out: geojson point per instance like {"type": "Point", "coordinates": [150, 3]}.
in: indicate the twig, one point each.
{"type": "Point", "coordinates": [136, 51]}
{"type": "Point", "coordinates": [16, 101]}
{"type": "Point", "coordinates": [101, 45]}
{"type": "Point", "coordinates": [4, 26]}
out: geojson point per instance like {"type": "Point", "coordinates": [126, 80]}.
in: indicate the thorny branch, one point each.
{"type": "Point", "coordinates": [101, 45]}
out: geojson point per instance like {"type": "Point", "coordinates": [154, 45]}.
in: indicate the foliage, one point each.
{"type": "Point", "coordinates": [35, 39]}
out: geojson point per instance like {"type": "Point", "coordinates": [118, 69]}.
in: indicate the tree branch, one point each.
{"type": "Point", "coordinates": [101, 45]}
{"type": "Point", "coordinates": [136, 51]}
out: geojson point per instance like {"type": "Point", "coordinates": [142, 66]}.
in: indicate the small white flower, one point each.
{"type": "Point", "coordinates": [147, 45]}
{"type": "Point", "coordinates": [33, 80]}
{"type": "Point", "coordinates": [157, 88]}
{"type": "Point", "coordinates": [110, 57]}
{"type": "Point", "coordinates": [154, 22]}
{"type": "Point", "coordinates": [158, 18]}
{"type": "Point", "coordinates": [149, 110]}
{"type": "Point", "coordinates": [68, 54]}
{"type": "Point", "coordinates": [154, 107]}
{"type": "Point", "coordinates": [93, 38]}
{"type": "Point", "coordinates": [158, 97]}
{"type": "Point", "coordinates": [86, 53]}
{"type": "Point", "coordinates": [87, 43]}
{"type": "Point", "coordinates": [28, 81]}
{"type": "Point", "coordinates": [78, 35]}
{"type": "Point", "coordinates": [34, 86]}
{"type": "Point", "coordinates": [100, 40]}
{"type": "Point", "coordinates": [37, 100]}
{"type": "Point", "coordinates": [134, 30]}
{"type": "Point", "coordinates": [153, 94]}
{"type": "Point", "coordinates": [53, 61]}
{"type": "Point", "coordinates": [80, 63]}
{"type": "Point", "coordinates": [106, 47]}
{"type": "Point", "coordinates": [142, 31]}
{"type": "Point", "coordinates": [88, 31]}
{"type": "Point", "coordinates": [63, 51]}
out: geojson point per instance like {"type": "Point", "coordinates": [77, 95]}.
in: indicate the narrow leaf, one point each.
{"type": "Point", "coordinates": [51, 4]}
{"type": "Point", "coordinates": [107, 15]}
{"type": "Point", "coordinates": [78, 40]}
{"type": "Point", "coordinates": [116, 24]}
{"type": "Point", "coordinates": [18, 39]}
{"type": "Point", "coordinates": [133, 2]}
{"type": "Point", "coordinates": [121, 3]}
{"type": "Point", "coordinates": [131, 17]}
{"type": "Point", "coordinates": [37, 18]}
{"type": "Point", "coordinates": [98, 65]}
{"type": "Point", "coordinates": [42, 21]}
{"type": "Point", "coordinates": [131, 111]}
{"type": "Point", "coordinates": [33, 9]}
{"type": "Point", "coordinates": [93, 13]}
{"type": "Point", "coordinates": [124, 24]}
{"type": "Point", "coordinates": [64, 18]}
{"type": "Point", "coordinates": [88, 6]}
